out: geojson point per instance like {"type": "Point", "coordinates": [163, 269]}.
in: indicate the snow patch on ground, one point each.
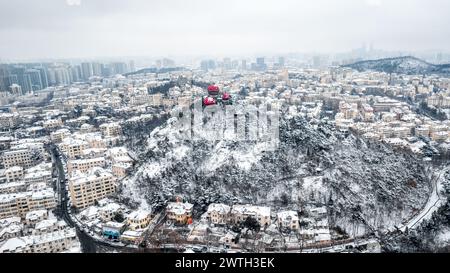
{"type": "Point", "coordinates": [444, 237]}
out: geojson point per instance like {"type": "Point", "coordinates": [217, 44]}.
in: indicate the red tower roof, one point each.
{"type": "Point", "coordinates": [226, 96]}
{"type": "Point", "coordinates": [213, 88]}
{"type": "Point", "coordinates": [209, 101]}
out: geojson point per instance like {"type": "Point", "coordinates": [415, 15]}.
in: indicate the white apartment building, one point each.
{"type": "Point", "coordinates": [38, 176]}
{"type": "Point", "coordinates": [73, 147]}
{"type": "Point", "coordinates": [14, 174]}
{"type": "Point", "coordinates": [52, 242]}
{"type": "Point", "coordinates": [18, 204]}
{"type": "Point", "coordinates": [52, 123]}
{"type": "Point", "coordinates": [59, 135]}
{"type": "Point", "coordinates": [86, 188]}
{"type": "Point", "coordinates": [12, 187]}
{"type": "Point", "coordinates": [9, 120]}
{"type": "Point", "coordinates": [20, 157]}
{"type": "Point", "coordinates": [423, 131]}
{"type": "Point", "coordinates": [111, 129]}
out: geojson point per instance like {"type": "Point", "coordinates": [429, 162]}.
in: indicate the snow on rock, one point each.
{"type": "Point", "coordinates": [364, 183]}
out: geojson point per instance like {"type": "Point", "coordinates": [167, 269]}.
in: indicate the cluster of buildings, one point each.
{"type": "Point", "coordinates": [84, 111]}
{"type": "Point", "coordinates": [28, 199]}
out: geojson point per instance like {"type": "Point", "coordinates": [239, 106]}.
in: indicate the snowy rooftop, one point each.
{"type": "Point", "coordinates": [250, 209]}
{"type": "Point", "coordinates": [36, 214]}
{"type": "Point", "coordinates": [93, 174]}
{"type": "Point", "coordinates": [87, 160]}
{"type": "Point", "coordinates": [11, 229]}
{"type": "Point", "coordinates": [46, 193]}
{"type": "Point", "coordinates": [132, 233]}
{"type": "Point", "coordinates": [179, 208]}
{"type": "Point", "coordinates": [113, 225]}
{"type": "Point", "coordinates": [44, 224]}
{"type": "Point", "coordinates": [289, 214]}
{"type": "Point", "coordinates": [7, 221]}
{"type": "Point", "coordinates": [139, 215]}
{"type": "Point", "coordinates": [220, 208]}
{"type": "Point", "coordinates": [27, 241]}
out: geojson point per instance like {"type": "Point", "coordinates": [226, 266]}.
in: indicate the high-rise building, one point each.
{"type": "Point", "coordinates": [227, 63]}
{"type": "Point", "coordinates": [168, 62]}
{"type": "Point", "coordinates": [131, 66]}
{"type": "Point", "coordinates": [119, 68]}
{"type": "Point", "coordinates": [44, 77]}
{"type": "Point", "coordinates": [34, 77]}
{"type": "Point", "coordinates": [260, 65]}
{"type": "Point", "coordinates": [4, 78]}
{"type": "Point", "coordinates": [22, 78]}
{"type": "Point", "coordinates": [204, 65]}
{"type": "Point", "coordinates": [16, 89]}
{"type": "Point", "coordinates": [244, 65]}
{"type": "Point", "coordinates": [281, 61]}
{"type": "Point", "coordinates": [106, 71]}
{"type": "Point", "coordinates": [96, 69]}
{"type": "Point", "coordinates": [86, 70]}
{"type": "Point", "coordinates": [260, 61]}
{"type": "Point", "coordinates": [76, 73]}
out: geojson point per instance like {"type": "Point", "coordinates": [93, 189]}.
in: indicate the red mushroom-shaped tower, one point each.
{"type": "Point", "coordinates": [213, 90]}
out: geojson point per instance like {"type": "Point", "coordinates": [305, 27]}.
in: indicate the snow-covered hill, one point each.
{"type": "Point", "coordinates": [401, 65]}
{"type": "Point", "coordinates": [363, 183]}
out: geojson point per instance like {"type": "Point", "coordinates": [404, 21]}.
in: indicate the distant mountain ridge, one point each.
{"type": "Point", "coordinates": [401, 65]}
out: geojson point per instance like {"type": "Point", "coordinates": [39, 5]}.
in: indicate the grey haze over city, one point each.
{"type": "Point", "coordinates": [111, 28]}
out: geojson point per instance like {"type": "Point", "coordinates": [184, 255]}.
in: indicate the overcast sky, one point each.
{"type": "Point", "coordinates": [91, 28]}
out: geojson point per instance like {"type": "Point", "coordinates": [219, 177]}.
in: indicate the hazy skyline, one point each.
{"type": "Point", "coordinates": [92, 28]}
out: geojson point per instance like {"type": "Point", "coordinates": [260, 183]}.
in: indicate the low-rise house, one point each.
{"type": "Point", "coordinates": [131, 236]}
{"type": "Point", "coordinates": [121, 169]}
{"type": "Point", "coordinates": [318, 212]}
{"type": "Point", "coordinates": [108, 211]}
{"type": "Point", "coordinates": [112, 230]}
{"type": "Point", "coordinates": [239, 213]}
{"type": "Point", "coordinates": [322, 236]}
{"type": "Point", "coordinates": [33, 217]}
{"type": "Point", "coordinates": [218, 214]}
{"type": "Point", "coordinates": [179, 212]}
{"type": "Point", "coordinates": [10, 231]}
{"type": "Point", "coordinates": [49, 225]}
{"type": "Point", "coordinates": [288, 219]}
{"type": "Point", "coordinates": [138, 219]}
